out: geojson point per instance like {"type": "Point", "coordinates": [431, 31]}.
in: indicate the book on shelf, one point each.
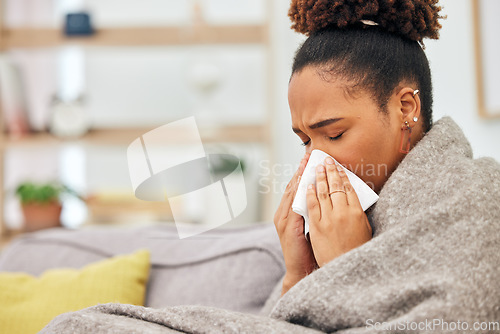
{"type": "Point", "coordinates": [12, 98]}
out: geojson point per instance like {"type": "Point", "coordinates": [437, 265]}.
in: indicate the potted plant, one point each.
{"type": "Point", "coordinates": [41, 204]}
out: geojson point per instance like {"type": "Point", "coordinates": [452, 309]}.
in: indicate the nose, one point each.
{"type": "Point", "coordinates": [315, 146]}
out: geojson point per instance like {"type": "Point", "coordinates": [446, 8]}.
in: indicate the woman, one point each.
{"type": "Point", "coordinates": [425, 258]}
{"type": "Point", "coordinates": [361, 91]}
{"type": "Point", "coordinates": [426, 253]}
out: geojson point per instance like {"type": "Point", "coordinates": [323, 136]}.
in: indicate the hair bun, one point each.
{"type": "Point", "coordinates": [413, 19]}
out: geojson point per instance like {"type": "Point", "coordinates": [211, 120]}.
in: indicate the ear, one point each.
{"type": "Point", "coordinates": [409, 104]}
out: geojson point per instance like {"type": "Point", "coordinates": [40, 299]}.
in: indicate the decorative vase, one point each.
{"type": "Point", "coordinates": [38, 216]}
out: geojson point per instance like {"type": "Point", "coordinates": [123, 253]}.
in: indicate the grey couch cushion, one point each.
{"type": "Point", "coordinates": [234, 269]}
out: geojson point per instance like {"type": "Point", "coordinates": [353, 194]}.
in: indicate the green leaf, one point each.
{"type": "Point", "coordinates": [29, 192]}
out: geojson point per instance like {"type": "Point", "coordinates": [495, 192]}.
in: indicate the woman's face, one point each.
{"type": "Point", "coordinates": [349, 128]}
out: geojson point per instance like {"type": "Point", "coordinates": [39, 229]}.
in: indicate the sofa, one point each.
{"type": "Point", "coordinates": [231, 268]}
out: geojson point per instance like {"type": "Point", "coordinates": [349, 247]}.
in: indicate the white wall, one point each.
{"type": "Point", "coordinates": [286, 151]}
{"type": "Point", "coordinates": [453, 67]}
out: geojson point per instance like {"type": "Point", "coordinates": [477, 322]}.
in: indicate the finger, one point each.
{"type": "Point", "coordinates": [322, 190]}
{"type": "Point", "coordinates": [291, 189]}
{"type": "Point", "coordinates": [283, 211]}
{"type": "Point", "coordinates": [336, 187]}
{"type": "Point", "coordinates": [298, 173]}
{"type": "Point", "coordinates": [287, 199]}
{"type": "Point", "coordinates": [313, 208]}
{"type": "Point", "coordinates": [352, 197]}
{"type": "Point", "coordinates": [306, 157]}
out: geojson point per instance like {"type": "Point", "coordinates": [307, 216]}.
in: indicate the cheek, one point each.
{"type": "Point", "coordinates": [371, 157]}
{"type": "Point", "coordinates": [381, 160]}
{"type": "Point", "coordinates": [369, 154]}
{"type": "Point", "coordinates": [380, 151]}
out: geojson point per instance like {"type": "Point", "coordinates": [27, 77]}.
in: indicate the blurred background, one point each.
{"type": "Point", "coordinates": [81, 79]}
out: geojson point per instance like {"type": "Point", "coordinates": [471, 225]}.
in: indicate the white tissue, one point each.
{"type": "Point", "coordinates": [367, 197]}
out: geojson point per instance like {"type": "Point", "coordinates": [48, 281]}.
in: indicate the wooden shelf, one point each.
{"type": "Point", "coordinates": [125, 136]}
{"type": "Point", "coordinates": [137, 36]}
{"type": "Point", "coordinates": [196, 33]}
{"type": "Point", "coordinates": [7, 236]}
{"type": "Point", "coordinates": [123, 209]}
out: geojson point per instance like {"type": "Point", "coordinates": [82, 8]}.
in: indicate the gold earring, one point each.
{"type": "Point", "coordinates": [405, 138]}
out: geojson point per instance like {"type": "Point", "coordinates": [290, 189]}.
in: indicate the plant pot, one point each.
{"type": "Point", "coordinates": [38, 216]}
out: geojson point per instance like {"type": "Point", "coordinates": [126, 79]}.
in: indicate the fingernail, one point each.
{"type": "Point", "coordinates": [320, 168]}
{"type": "Point", "coordinates": [310, 186]}
{"type": "Point", "coordinates": [339, 168]}
{"type": "Point", "coordinates": [329, 161]}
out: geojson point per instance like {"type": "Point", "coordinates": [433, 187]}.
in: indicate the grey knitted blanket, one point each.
{"type": "Point", "coordinates": [432, 266]}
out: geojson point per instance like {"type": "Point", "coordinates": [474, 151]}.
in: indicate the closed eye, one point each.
{"type": "Point", "coordinates": [329, 138]}
{"type": "Point", "coordinates": [335, 138]}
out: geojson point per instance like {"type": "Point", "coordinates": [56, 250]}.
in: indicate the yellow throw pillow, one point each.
{"type": "Point", "coordinates": [29, 303]}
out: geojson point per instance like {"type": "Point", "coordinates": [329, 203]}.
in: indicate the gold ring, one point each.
{"type": "Point", "coordinates": [337, 191]}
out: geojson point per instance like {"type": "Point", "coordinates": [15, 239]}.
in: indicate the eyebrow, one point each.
{"type": "Point", "coordinates": [319, 124]}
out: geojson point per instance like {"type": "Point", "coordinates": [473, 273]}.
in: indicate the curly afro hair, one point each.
{"type": "Point", "coordinates": [413, 19]}
{"type": "Point", "coordinates": [374, 58]}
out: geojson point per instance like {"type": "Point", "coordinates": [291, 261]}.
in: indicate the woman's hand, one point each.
{"type": "Point", "coordinates": [297, 251]}
{"type": "Point", "coordinates": [337, 222]}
